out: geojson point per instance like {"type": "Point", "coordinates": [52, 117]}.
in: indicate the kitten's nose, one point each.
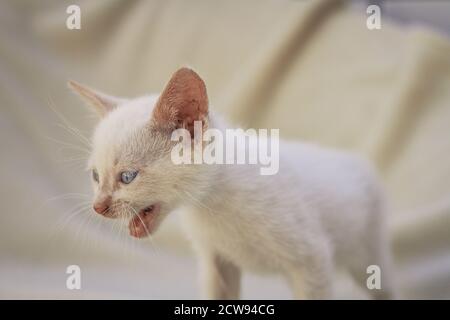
{"type": "Point", "coordinates": [102, 204]}
{"type": "Point", "coordinates": [101, 208]}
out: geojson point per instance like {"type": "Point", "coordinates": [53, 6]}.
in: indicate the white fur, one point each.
{"type": "Point", "coordinates": [323, 209]}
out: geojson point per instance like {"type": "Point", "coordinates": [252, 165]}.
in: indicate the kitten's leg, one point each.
{"type": "Point", "coordinates": [313, 279]}
{"type": "Point", "coordinates": [378, 254]}
{"type": "Point", "coordinates": [221, 278]}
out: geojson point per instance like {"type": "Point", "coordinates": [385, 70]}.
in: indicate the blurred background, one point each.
{"type": "Point", "coordinates": [310, 68]}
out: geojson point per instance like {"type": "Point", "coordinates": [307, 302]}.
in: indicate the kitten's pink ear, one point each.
{"type": "Point", "coordinates": [183, 101]}
{"type": "Point", "coordinates": [101, 102]}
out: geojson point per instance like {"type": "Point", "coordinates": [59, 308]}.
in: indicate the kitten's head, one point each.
{"type": "Point", "coordinates": [132, 171]}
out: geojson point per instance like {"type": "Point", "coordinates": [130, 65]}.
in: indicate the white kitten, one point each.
{"type": "Point", "coordinates": [322, 210]}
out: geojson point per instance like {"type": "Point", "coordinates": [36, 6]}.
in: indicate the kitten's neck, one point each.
{"type": "Point", "coordinates": [214, 177]}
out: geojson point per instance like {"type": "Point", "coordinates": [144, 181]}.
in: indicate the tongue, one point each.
{"type": "Point", "coordinates": [141, 225]}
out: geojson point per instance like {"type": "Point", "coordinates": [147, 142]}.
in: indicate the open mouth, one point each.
{"type": "Point", "coordinates": [143, 223]}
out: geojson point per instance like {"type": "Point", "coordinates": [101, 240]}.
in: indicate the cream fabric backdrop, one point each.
{"type": "Point", "coordinates": [310, 68]}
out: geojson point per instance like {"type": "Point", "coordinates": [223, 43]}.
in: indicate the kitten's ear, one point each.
{"type": "Point", "coordinates": [183, 101]}
{"type": "Point", "coordinates": [101, 102]}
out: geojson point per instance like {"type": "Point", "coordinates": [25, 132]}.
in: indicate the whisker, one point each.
{"type": "Point", "coordinates": [80, 208]}
{"type": "Point", "coordinates": [199, 203]}
{"type": "Point", "coordinates": [66, 124]}
{"type": "Point", "coordinates": [76, 159]}
{"type": "Point", "coordinates": [129, 241]}
{"type": "Point", "coordinates": [82, 225]}
{"type": "Point", "coordinates": [87, 228]}
{"type": "Point", "coordinates": [67, 145]}
{"type": "Point", "coordinates": [78, 134]}
{"type": "Point", "coordinates": [70, 195]}
{"type": "Point", "coordinates": [146, 230]}
{"type": "Point", "coordinates": [64, 221]}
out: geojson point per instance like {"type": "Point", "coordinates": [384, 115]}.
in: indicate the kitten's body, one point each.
{"type": "Point", "coordinates": [323, 208]}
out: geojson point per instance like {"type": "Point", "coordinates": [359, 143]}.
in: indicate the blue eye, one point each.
{"type": "Point", "coordinates": [128, 176]}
